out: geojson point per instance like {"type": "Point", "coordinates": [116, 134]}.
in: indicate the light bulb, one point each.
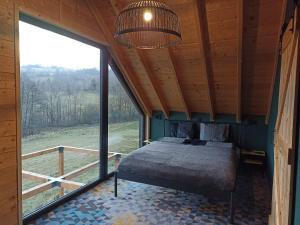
{"type": "Point", "coordinates": [148, 16]}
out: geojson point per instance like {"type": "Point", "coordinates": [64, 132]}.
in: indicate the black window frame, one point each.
{"type": "Point", "coordinates": [105, 62]}
{"type": "Point", "coordinates": [113, 65]}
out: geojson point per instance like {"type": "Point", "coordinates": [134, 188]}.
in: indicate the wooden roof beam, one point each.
{"type": "Point", "coordinates": [240, 18]}
{"type": "Point", "coordinates": [122, 61]}
{"type": "Point", "coordinates": [276, 57]}
{"type": "Point", "coordinates": [205, 46]}
{"type": "Point", "coordinates": [179, 88]}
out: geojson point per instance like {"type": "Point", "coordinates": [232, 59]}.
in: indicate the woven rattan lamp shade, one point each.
{"type": "Point", "coordinates": [147, 25]}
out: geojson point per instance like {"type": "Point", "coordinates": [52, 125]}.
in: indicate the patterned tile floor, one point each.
{"type": "Point", "coordinates": [142, 204]}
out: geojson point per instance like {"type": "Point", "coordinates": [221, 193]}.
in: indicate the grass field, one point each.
{"type": "Point", "coordinates": [123, 138]}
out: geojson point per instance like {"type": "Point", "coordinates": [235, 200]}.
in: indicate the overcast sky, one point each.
{"type": "Point", "coordinates": [39, 46]}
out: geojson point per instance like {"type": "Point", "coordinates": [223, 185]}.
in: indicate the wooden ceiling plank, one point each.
{"type": "Point", "coordinates": [60, 9]}
{"type": "Point", "coordinates": [282, 18]}
{"type": "Point", "coordinates": [205, 46]}
{"type": "Point", "coordinates": [122, 61]}
{"type": "Point", "coordinates": [179, 88]}
{"type": "Point", "coordinates": [144, 62]}
{"type": "Point", "coordinates": [240, 13]}
{"type": "Point", "coordinates": [153, 82]}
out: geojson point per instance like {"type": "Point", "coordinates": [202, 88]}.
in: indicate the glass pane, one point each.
{"type": "Point", "coordinates": [60, 97]}
{"type": "Point", "coordinates": [123, 120]}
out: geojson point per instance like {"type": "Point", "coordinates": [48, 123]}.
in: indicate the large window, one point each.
{"type": "Point", "coordinates": [78, 116]}
{"type": "Point", "coordinates": [60, 104]}
{"type": "Point", "coordinates": [123, 119]}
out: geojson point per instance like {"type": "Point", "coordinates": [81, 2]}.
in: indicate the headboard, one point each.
{"type": "Point", "coordinates": [196, 126]}
{"type": "Point", "coordinates": [252, 133]}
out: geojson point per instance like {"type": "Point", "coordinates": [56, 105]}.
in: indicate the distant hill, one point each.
{"type": "Point", "coordinates": [42, 71]}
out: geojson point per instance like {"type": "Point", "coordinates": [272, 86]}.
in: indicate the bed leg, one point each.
{"type": "Point", "coordinates": [116, 184]}
{"type": "Point", "coordinates": [231, 209]}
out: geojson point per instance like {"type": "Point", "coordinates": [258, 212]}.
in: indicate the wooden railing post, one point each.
{"type": "Point", "coordinates": [61, 166]}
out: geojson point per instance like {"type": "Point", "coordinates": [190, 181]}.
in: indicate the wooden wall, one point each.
{"type": "Point", "coordinates": [70, 14]}
{"type": "Point", "coordinates": [285, 130]}
{"type": "Point", "coordinates": [152, 75]}
{"type": "Point", "coordinates": [9, 213]}
{"type": "Point", "coordinates": [74, 15]}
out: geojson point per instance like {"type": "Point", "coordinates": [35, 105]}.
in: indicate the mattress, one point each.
{"type": "Point", "coordinates": [184, 167]}
{"type": "Point", "coordinates": [220, 144]}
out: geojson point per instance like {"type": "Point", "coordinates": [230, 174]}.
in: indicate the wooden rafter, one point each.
{"type": "Point", "coordinates": [179, 88]}
{"type": "Point", "coordinates": [276, 57]}
{"type": "Point", "coordinates": [121, 60]}
{"type": "Point", "coordinates": [205, 46]}
{"type": "Point", "coordinates": [143, 61]}
{"type": "Point", "coordinates": [240, 13]}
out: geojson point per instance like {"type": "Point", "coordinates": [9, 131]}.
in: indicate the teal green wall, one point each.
{"type": "Point", "coordinates": [271, 127]}
{"type": "Point", "coordinates": [297, 190]}
{"type": "Point", "coordinates": [253, 134]}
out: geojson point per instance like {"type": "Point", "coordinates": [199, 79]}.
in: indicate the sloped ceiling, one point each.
{"type": "Point", "coordinates": [224, 64]}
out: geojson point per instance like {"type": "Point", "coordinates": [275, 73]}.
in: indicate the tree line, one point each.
{"type": "Point", "coordinates": [54, 97]}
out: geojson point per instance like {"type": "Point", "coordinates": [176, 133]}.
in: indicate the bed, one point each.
{"type": "Point", "coordinates": [205, 169]}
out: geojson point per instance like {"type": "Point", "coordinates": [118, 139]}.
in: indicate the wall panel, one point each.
{"type": "Point", "coordinates": [284, 150]}
{"type": "Point", "coordinates": [9, 213]}
{"type": "Point", "coordinates": [73, 15]}
{"type": "Point", "coordinates": [69, 14]}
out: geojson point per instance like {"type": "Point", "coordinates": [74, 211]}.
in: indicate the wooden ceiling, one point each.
{"type": "Point", "coordinates": [224, 64]}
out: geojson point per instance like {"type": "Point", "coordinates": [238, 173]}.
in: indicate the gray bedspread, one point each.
{"type": "Point", "coordinates": [184, 167]}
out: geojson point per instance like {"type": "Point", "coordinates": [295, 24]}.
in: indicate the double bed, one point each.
{"type": "Point", "coordinates": [205, 169]}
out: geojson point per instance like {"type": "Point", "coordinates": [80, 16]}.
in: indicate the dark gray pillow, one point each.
{"type": "Point", "coordinates": [214, 132]}
{"type": "Point", "coordinates": [185, 130]}
{"type": "Point", "coordinates": [173, 129]}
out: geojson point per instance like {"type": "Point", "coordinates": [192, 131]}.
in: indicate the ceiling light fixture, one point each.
{"type": "Point", "coordinates": [147, 25]}
{"type": "Point", "coordinates": [148, 16]}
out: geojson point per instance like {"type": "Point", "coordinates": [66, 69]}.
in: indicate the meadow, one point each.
{"type": "Point", "coordinates": [123, 138]}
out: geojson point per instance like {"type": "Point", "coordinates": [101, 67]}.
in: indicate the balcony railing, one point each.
{"type": "Point", "coordinates": [63, 181]}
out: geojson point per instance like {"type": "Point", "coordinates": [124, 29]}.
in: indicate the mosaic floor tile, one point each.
{"type": "Point", "coordinates": [141, 204]}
